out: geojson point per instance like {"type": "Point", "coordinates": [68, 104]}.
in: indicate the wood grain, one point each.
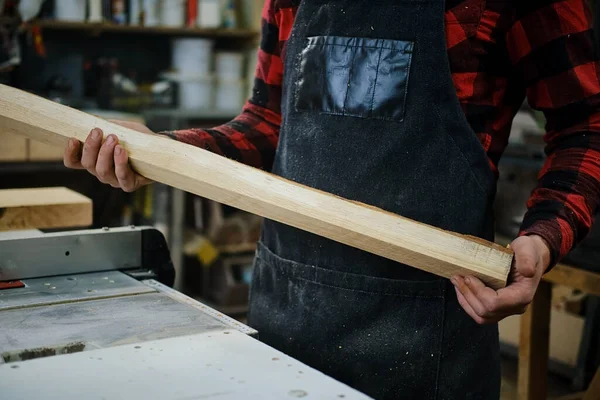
{"type": "Point", "coordinates": [209, 175]}
{"type": "Point", "coordinates": [43, 208]}
{"type": "Point", "coordinates": [12, 147]}
{"type": "Point", "coordinates": [39, 151]}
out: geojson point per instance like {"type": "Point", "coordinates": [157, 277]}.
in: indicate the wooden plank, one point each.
{"type": "Point", "coordinates": [566, 333]}
{"type": "Point", "coordinates": [55, 207]}
{"type": "Point", "coordinates": [209, 175]}
{"type": "Point", "coordinates": [576, 278]}
{"type": "Point", "coordinates": [13, 148]}
{"type": "Point", "coordinates": [533, 346]}
{"type": "Point", "coordinates": [39, 151]}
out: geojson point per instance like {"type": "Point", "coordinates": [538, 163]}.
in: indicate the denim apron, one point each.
{"type": "Point", "coordinates": [370, 113]}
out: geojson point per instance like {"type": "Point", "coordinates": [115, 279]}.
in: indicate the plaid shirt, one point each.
{"type": "Point", "coordinates": [500, 53]}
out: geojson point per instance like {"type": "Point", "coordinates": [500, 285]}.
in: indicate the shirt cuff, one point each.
{"type": "Point", "coordinates": [557, 233]}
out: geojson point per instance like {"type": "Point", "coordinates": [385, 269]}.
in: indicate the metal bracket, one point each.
{"type": "Point", "coordinates": [82, 251]}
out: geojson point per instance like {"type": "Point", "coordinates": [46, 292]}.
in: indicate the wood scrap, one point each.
{"type": "Point", "coordinates": [43, 208]}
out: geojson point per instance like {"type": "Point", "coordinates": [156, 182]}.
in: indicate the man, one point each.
{"type": "Point", "coordinates": [405, 105]}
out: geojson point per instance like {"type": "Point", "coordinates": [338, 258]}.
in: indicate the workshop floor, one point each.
{"type": "Point", "coordinates": [557, 386]}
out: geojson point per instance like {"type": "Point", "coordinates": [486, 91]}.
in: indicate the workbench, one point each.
{"type": "Point", "coordinates": [92, 314]}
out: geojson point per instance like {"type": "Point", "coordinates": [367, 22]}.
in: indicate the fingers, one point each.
{"type": "Point", "coordinates": [525, 256]}
{"type": "Point", "coordinates": [105, 167]}
{"type": "Point", "coordinates": [107, 161]}
{"type": "Point", "coordinates": [461, 284]}
{"type": "Point", "coordinates": [128, 180]}
{"type": "Point", "coordinates": [468, 309]}
{"type": "Point", "coordinates": [484, 304]}
{"type": "Point", "coordinates": [72, 154]}
{"type": "Point", "coordinates": [91, 148]}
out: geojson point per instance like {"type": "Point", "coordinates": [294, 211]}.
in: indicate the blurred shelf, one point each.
{"type": "Point", "coordinates": [191, 114]}
{"type": "Point", "coordinates": [7, 168]}
{"type": "Point", "coordinates": [102, 27]}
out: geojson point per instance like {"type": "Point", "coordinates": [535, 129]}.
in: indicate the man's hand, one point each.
{"type": "Point", "coordinates": [486, 305]}
{"type": "Point", "coordinates": [109, 161]}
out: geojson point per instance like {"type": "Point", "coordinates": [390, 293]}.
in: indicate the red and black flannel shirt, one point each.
{"type": "Point", "coordinates": [500, 53]}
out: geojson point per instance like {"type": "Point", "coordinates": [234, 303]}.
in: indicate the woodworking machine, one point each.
{"type": "Point", "coordinates": [92, 314]}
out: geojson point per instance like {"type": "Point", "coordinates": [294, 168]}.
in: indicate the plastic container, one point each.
{"type": "Point", "coordinates": [230, 95]}
{"type": "Point", "coordinates": [94, 11]}
{"type": "Point", "coordinates": [252, 58]}
{"type": "Point", "coordinates": [210, 13]}
{"type": "Point", "coordinates": [229, 65]}
{"type": "Point", "coordinates": [172, 13]}
{"type": "Point", "coordinates": [118, 12]}
{"type": "Point", "coordinates": [192, 56]}
{"type": "Point", "coordinates": [195, 92]}
{"type": "Point", "coordinates": [135, 12]}
{"type": "Point", "coordinates": [151, 11]}
{"type": "Point", "coordinates": [70, 10]}
{"type": "Point", "coordinates": [230, 15]}
{"type": "Point", "coordinates": [192, 13]}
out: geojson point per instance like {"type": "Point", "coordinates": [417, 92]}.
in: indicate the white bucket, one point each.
{"type": "Point", "coordinates": [151, 12]}
{"type": "Point", "coordinates": [192, 56]}
{"type": "Point", "coordinates": [251, 71]}
{"type": "Point", "coordinates": [135, 12]}
{"type": "Point", "coordinates": [172, 13]}
{"type": "Point", "coordinates": [209, 13]}
{"type": "Point", "coordinates": [70, 10]}
{"type": "Point", "coordinates": [195, 92]}
{"type": "Point", "coordinates": [230, 95]}
{"type": "Point", "coordinates": [229, 65]}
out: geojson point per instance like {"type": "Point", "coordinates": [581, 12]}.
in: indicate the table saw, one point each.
{"type": "Point", "coordinates": [92, 314]}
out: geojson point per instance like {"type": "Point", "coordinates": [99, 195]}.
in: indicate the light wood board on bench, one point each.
{"type": "Point", "coordinates": [43, 208]}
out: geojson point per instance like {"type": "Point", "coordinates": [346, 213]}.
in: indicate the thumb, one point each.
{"type": "Point", "coordinates": [526, 257]}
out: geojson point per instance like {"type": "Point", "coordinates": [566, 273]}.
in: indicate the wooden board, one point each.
{"type": "Point", "coordinates": [12, 147]}
{"type": "Point", "coordinates": [534, 346]}
{"type": "Point", "coordinates": [40, 208]}
{"type": "Point", "coordinates": [39, 151]}
{"type": "Point", "coordinates": [209, 175]}
{"type": "Point", "coordinates": [566, 332]}
{"type": "Point", "coordinates": [576, 278]}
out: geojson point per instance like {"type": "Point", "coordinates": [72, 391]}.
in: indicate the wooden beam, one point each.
{"type": "Point", "coordinates": [209, 175]}
{"type": "Point", "coordinates": [43, 208]}
{"type": "Point", "coordinates": [576, 278]}
{"type": "Point", "coordinates": [13, 147]}
{"type": "Point", "coordinates": [534, 346]}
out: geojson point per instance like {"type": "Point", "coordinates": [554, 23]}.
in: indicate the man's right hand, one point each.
{"type": "Point", "coordinates": [107, 161]}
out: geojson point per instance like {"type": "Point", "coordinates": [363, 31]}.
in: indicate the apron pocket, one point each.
{"type": "Point", "coordinates": [358, 77]}
{"type": "Point", "coordinates": [380, 336]}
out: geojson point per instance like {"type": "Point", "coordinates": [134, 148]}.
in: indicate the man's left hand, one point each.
{"type": "Point", "coordinates": [486, 305]}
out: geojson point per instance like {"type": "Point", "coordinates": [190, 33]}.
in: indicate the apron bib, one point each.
{"type": "Point", "coordinates": [370, 113]}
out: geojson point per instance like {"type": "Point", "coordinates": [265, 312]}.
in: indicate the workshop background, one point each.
{"type": "Point", "coordinates": [172, 64]}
